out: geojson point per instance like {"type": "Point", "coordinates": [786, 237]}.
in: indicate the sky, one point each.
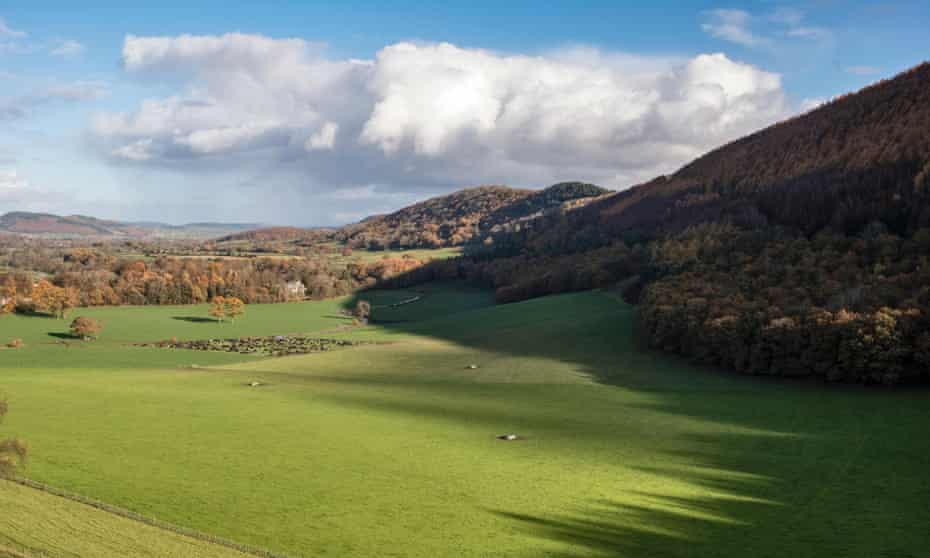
{"type": "Point", "coordinates": [321, 113]}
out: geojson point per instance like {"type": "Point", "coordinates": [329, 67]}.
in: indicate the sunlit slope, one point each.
{"type": "Point", "coordinates": [34, 523]}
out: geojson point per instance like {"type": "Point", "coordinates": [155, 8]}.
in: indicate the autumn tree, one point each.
{"type": "Point", "coordinates": [224, 307]}
{"type": "Point", "coordinates": [86, 328]}
{"type": "Point", "coordinates": [53, 300]}
{"type": "Point", "coordinates": [8, 295]}
{"type": "Point", "coordinates": [233, 307]}
{"type": "Point", "coordinates": [218, 308]}
{"type": "Point", "coordinates": [12, 451]}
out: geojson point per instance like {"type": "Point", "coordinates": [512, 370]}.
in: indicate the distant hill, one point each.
{"type": "Point", "coordinates": [73, 225]}
{"type": "Point", "coordinates": [21, 222]}
{"type": "Point", "coordinates": [461, 217]}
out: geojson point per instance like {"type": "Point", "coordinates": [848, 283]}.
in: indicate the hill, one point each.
{"type": "Point", "coordinates": [74, 225]}
{"type": "Point", "coordinates": [860, 158]}
{"type": "Point", "coordinates": [21, 222]}
{"type": "Point", "coordinates": [461, 217]}
{"type": "Point", "coordinates": [798, 250]}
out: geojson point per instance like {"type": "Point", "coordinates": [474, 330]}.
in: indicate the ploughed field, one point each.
{"type": "Point", "coordinates": [389, 447]}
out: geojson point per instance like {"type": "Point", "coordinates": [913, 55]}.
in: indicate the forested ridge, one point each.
{"type": "Point", "coordinates": [468, 216]}
{"type": "Point", "coordinates": [799, 250]}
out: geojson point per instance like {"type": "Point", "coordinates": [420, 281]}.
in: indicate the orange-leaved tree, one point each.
{"type": "Point", "coordinates": [218, 308]}
{"type": "Point", "coordinates": [233, 307]}
{"type": "Point", "coordinates": [8, 295]}
{"type": "Point", "coordinates": [53, 300]}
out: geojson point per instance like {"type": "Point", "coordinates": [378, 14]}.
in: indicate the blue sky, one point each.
{"type": "Point", "coordinates": [192, 110]}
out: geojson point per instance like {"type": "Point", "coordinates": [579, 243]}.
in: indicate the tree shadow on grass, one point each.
{"type": "Point", "coordinates": [195, 319]}
{"type": "Point", "coordinates": [62, 335]}
{"type": "Point", "coordinates": [758, 466]}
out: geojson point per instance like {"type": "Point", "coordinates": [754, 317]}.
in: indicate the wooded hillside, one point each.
{"type": "Point", "coordinates": [469, 215]}
{"type": "Point", "coordinates": [799, 250]}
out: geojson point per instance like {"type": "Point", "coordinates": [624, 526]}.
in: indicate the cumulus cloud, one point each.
{"type": "Point", "coordinates": [68, 48]}
{"type": "Point", "coordinates": [429, 117]}
{"type": "Point", "coordinates": [12, 108]}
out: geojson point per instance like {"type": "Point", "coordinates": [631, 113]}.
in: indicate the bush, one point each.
{"type": "Point", "coordinates": [15, 343]}
{"type": "Point", "coordinates": [86, 328]}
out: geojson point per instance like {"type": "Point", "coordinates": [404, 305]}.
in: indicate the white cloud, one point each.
{"type": "Point", "coordinates": [733, 26]}
{"type": "Point", "coordinates": [12, 108]}
{"type": "Point", "coordinates": [139, 150]}
{"type": "Point", "coordinates": [768, 31]}
{"type": "Point", "coordinates": [325, 138]}
{"type": "Point", "coordinates": [68, 48]}
{"type": "Point", "coordinates": [430, 117]}
{"type": "Point", "coordinates": [8, 32]}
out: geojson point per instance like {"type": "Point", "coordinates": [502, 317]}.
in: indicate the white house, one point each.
{"type": "Point", "coordinates": [295, 290]}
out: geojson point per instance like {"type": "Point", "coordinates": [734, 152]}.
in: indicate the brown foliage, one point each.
{"type": "Point", "coordinates": [53, 300]}
{"type": "Point", "coordinates": [86, 328]}
{"type": "Point", "coordinates": [461, 217]}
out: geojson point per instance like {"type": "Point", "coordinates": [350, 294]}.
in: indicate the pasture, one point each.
{"type": "Point", "coordinates": [390, 448]}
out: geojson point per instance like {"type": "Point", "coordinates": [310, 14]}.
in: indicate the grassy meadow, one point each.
{"type": "Point", "coordinates": [390, 449]}
{"type": "Point", "coordinates": [35, 522]}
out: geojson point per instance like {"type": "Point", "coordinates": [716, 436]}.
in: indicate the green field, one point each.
{"type": "Point", "coordinates": [35, 522]}
{"type": "Point", "coordinates": [389, 449]}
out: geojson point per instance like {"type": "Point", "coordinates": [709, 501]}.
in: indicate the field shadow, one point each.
{"type": "Point", "coordinates": [195, 319]}
{"type": "Point", "coordinates": [61, 335]}
{"type": "Point", "coordinates": [774, 467]}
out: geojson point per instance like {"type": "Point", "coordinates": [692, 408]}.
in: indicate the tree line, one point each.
{"type": "Point", "coordinates": [86, 277]}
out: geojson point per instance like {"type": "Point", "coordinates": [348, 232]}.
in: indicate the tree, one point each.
{"type": "Point", "coordinates": [12, 451]}
{"type": "Point", "coordinates": [8, 295]}
{"type": "Point", "coordinates": [218, 309]}
{"type": "Point", "coordinates": [53, 300]}
{"type": "Point", "coordinates": [86, 328]}
{"type": "Point", "coordinates": [363, 310]}
{"type": "Point", "coordinates": [227, 307]}
{"type": "Point", "coordinates": [233, 307]}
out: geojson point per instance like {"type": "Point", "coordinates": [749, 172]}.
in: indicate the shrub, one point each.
{"type": "Point", "coordinates": [15, 343]}
{"type": "Point", "coordinates": [86, 328]}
